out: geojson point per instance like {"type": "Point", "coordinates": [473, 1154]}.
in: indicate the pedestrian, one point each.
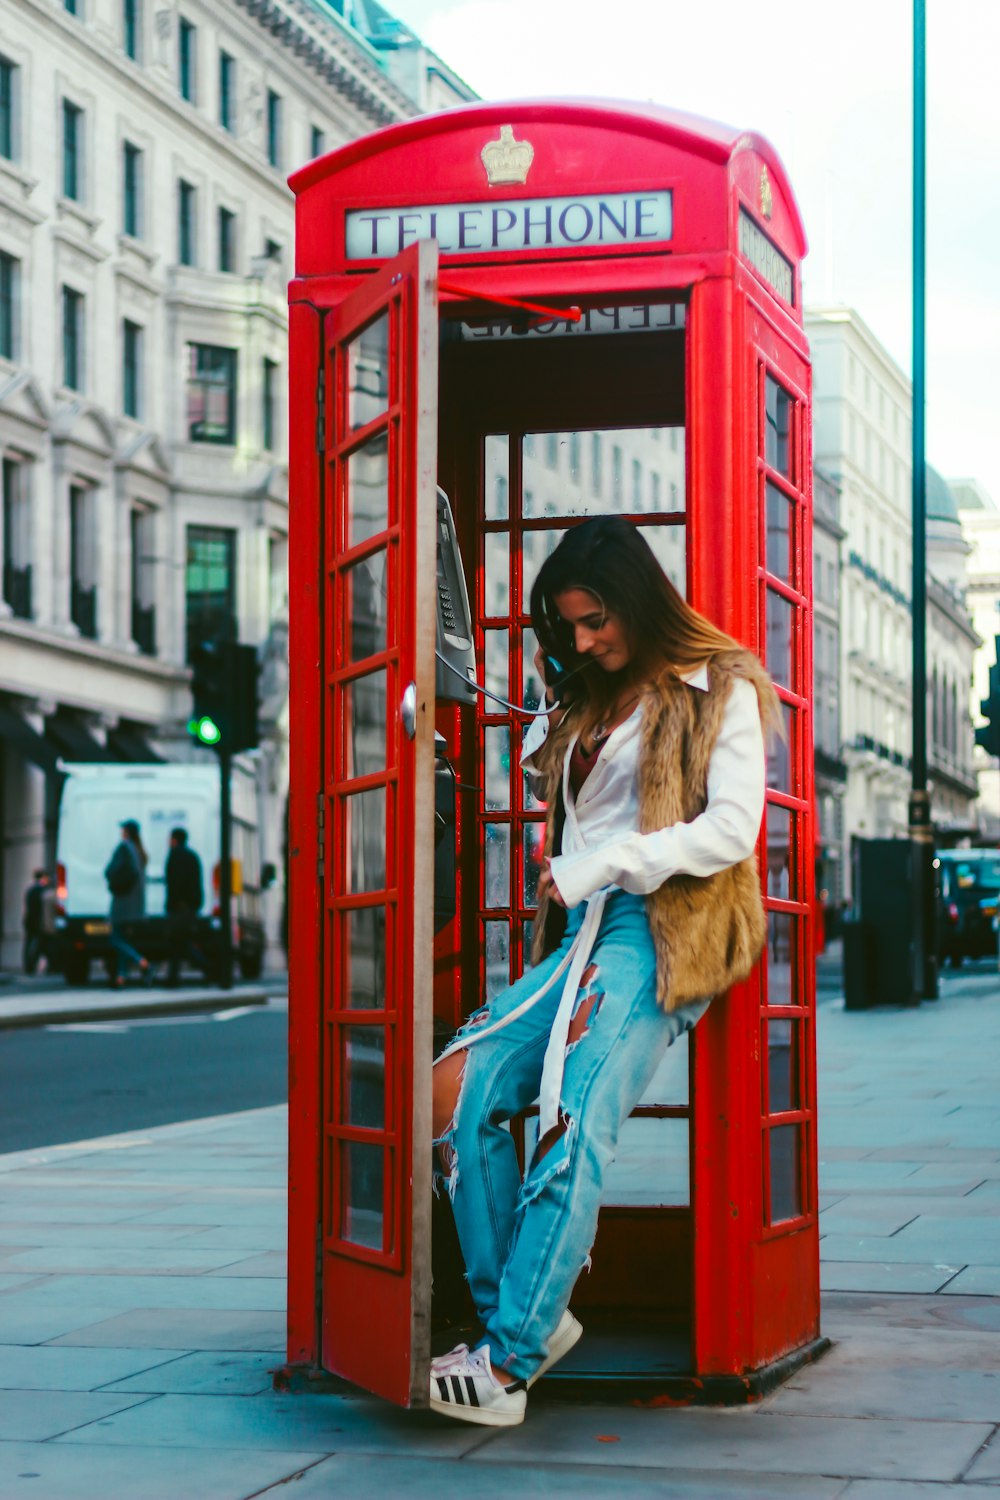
{"type": "Point", "coordinates": [185, 895]}
{"type": "Point", "coordinates": [651, 763]}
{"type": "Point", "coordinates": [126, 877]}
{"type": "Point", "coordinates": [34, 921]}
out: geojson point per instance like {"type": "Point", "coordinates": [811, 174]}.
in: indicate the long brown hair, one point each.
{"type": "Point", "coordinates": [610, 558]}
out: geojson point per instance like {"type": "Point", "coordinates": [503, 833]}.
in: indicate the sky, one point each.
{"type": "Point", "coordinates": [830, 87]}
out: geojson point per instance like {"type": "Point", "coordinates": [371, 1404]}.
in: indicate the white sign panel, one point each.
{"type": "Point", "coordinates": [646, 317]}
{"type": "Point", "coordinates": [513, 224]}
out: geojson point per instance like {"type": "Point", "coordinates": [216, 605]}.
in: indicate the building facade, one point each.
{"type": "Point", "coordinates": [145, 244]}
{"type": "Point", "coordinates": [980, 518]}
{"type": "Point", "coordinates": [830, 767]}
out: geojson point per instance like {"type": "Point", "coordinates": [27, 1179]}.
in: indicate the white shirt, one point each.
{"type": "Point", "coordinates": [601, 841]}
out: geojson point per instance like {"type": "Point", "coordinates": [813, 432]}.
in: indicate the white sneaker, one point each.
{"type": "Point", "coordinates": [568, 1332]}
{"type": "Point", "coordinates": [467, 1389]}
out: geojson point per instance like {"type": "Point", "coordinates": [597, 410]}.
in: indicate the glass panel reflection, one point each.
{"type": "Point", "coordinates": [780, 753]}
{"type": "Point", "coordinates": [782, 1066]}
{"type": "Point", "coordinates": [366, 600]}
{"type": "Point", "coordinates": [365, 720]}
{"type": "Point", "coordinates": [669, 544]}
{"type": "Point", "coordinates": [364, 828]}
{"type": "Point", "coordinates": [363, 1075]}
{"type": "Point", "coordinates": [496, 478]}
{"type": "Point", "coordinates": [364, 957]}
{"type": "Point", "coordinates": [368, 373]}
{"type": "Point", "coordinates": [496, 663]}
{"type": "Point", "coordinates": [589, 473]}
{"type": "Point", "coordinates": [778, 551]}
{"type": "Point", "coordinates": [651, 1166]}
{"type": "Point", "coordinates": [778, 427]}
{"type": "Point", "coordinates": [669, 1084]}
{"type": "Point", "coordinates": [497, 957]}
{"type": "Point", "coordinates": [536, 546]}
{"type": "Point", "coordinates": [496, 768]}
{"type": "Point", "coordinates": [780, 627]}
{"type": "Point", "coordinates": [368, 489]}
{"type": "Point", "coordinates": [786, 1195]}
{"type": "Point", "coordinates": [778, 821]}
{"type": "Point", "coordinates": [497, 597]}
{"type": "Point", "coordinates": [362, 1193]}
{"type": "Point", "coordinates": [498, 864]}
{"type": "Point", "coordinates": [534, 844]}
{"type": "Point", "coordinates": [782, 966]}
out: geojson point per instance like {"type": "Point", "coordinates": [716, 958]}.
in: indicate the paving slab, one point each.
{"type": "Point", "coordinates": [50, 1471]}
{"type": "Point", "coordinates": [752, 1440]}
{"type": "Point", "coordinates": [25, 1416]}
{"type": "Point", "coordinates": [44, 1368]}
{"type": "Point", "coordinates": [125, 1260]}
{"type": "Point", "coordinates": [871, 1276]}
{"type": "Point", "coordinates": [223, 1374]}
{"type": "Point", "coordinates": [887, 1391]}
{"type": "Point", "coordinates": [274, 1263]}
{"type": "Point", "coordinates": [180, 1328]}
{"type": "Point", "coordinates": [976, 1281]}
{"type": "Point", "coordinates": [259, 1237]}
{"type": "Point", "coordinates": [887, 1489]}
{"type": "Point", "coordinates": [986, 1468]}
{"type": "Point", "coordinates": [119, 1292]}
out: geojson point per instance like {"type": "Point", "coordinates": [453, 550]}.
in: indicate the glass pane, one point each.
{"type": "Point", "coordinates": [498, 864]}
{"type": "Point", "coordinates": [364, 829]}
{"type": "Point", "coordinates": [497, 957]}
{"type": "Point", "coordinates": [531, 685]}
{"type": "Point", "coordinates": [778, 427]}
{"type": "Point", "coordinates": [497, 665]}
{"type": "Point", "coordinates": [534, 844]}
{"type": "Point", "coordinates": [496, 478]}
{"type": "Point", "coordinates": [363, 934]}
{"type": "Point", "coordinates": [786, 1198]}
{"type": "Point", "coordinates": [633, 469]}
{"type": "Point", "coordinates": [651, 1165]}
{"type": "Point", "coordinates": [780, 515]}
{"type": "Point", "coordinates": [527, 936]}
{"type": "Point", "coordinates": [782, 1066]}
{"type": "Point", "coordinates": [363, 1075]}
{"type": "Point", "coordinates": [496, 768]}
{"type": "Point", "coordinates": [364, 719]}
{"type": "Point", "coordinates": [779, 823]}
{"type": "Point", "coordinates": [497, 600]}
{"type": "Point", "coordinates": [780, 753]}
{"type": "Point", "coordinates": [368, 373]}
{"type": "Point", "coordinates": [669, 543]}
{"type": "Point", "coordinates": [669, 1084]}
{"type": "Point", "coordinates": [368, 489]}
{"type": "Point", "coordinates": [535, 548]}
{"type": "Point", "coordinates": [366, 599]}
{"type": "Point", "coordinates": [780, 625]}
{"type": "Point", "coordinates": [782, 965]}
{"type": "Point", "coordinates": [362, 1193]}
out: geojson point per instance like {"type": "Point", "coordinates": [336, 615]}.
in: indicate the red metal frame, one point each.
{"type": "Point", "coordinates": [754, 1283]}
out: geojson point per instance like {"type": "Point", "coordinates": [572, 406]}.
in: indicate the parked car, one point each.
{"type": "Point", "coordinates": [968, 905]}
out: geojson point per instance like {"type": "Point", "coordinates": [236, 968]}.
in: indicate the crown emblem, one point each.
{"type": "Point", "coordinates": [507, 160]}
{"type": "Point", "coordinates": [766, 199]}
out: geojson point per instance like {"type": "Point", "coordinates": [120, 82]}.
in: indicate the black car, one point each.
{"type": "Point", "coordinates": [969, 882]}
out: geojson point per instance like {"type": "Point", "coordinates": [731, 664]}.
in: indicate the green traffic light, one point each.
{"type": "Point", "coordinates": [205, 729]}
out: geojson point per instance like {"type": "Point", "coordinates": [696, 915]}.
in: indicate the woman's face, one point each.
{"type": "Point", "coordinates": [597, 633]}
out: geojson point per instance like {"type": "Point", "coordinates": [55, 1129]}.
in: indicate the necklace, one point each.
{"type": "Point", "coordinates": [603, 730]}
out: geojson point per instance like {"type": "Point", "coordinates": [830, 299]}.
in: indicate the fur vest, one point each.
{"type": "Point", "coordinates": [708, 931]}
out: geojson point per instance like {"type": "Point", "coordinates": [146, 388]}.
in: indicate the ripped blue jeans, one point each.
{"type": "Point", "coordinates": [526, 1243]}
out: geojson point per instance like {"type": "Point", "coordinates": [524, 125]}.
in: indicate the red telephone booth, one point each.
{"type": "Point", "coordinates": [549, 310]}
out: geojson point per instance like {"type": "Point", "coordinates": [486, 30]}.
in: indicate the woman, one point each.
{"type": "Point", "coordinates": [126, 878]}
{"type": "Point", "coordinates": [652, 768]}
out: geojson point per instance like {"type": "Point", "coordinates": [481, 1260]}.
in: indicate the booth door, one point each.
{"type": "Point", "coordinates": [379, 452]}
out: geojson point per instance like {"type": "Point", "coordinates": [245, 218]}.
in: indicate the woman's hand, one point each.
{"type": "Point", "coordinates": [549, 695]}
{"type": "Point", "coordinates": [547, 885]}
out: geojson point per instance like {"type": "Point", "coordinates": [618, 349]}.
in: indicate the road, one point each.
{"type": "Point", "coordinates": [68, 1083]}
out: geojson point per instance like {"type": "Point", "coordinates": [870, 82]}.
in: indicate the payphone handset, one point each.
{"type": "Point", "coordinates": [456, 652]}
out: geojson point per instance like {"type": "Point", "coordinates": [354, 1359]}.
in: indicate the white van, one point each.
{"type": "Point", "coordinates": [95, 801]}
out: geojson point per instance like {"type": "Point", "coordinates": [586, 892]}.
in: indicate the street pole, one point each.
{"type": "Point", "coordinates": [225, 871]}
{"type": "Point", "coordinates": [921, 827]}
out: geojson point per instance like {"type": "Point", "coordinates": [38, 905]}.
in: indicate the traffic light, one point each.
{"type": "Point", "coordinates": [988, 736]}
{"type": "Point", "coordinates": [224, 696]}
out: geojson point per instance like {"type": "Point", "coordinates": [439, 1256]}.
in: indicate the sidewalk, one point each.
{"type": "Point", "coordinates": [142, 1309]}
{"type": "Point", "coordinates": [42, 1004]}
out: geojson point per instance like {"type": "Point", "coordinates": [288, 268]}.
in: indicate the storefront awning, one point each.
{"type": "Point", "coordinates": [128, 743]}
{"type": "Point", "coordinates": [72, 740]}
{"type": "Point", "coordinates": [16, 732]}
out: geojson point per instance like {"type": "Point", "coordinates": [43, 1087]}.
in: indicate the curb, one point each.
{"type": "Point", "coordinates": [130, 1010]}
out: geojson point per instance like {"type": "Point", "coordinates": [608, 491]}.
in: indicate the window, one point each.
{"type": "Point", "coordinates": [132, 190]}
{"type": "Point", "coordinates": [143, 599]}
{"type": "Point", "coordinates": [269, 391]}
{"type": "Point", "coordinates": [130, 28]}
{"type": "Point", "coordinates": [211, 394]}
{"type": "Point", "coordinates": [187, 70]}
{"type": "Point", "coordinates": [317, 141]}
{"type": "Point", "coordinates": [596, 463]}
{"type": "Point", "coordinates": [636, 484]}
{"type": "Point", "coordinates": [186, 223]}
{"type": "Point", "coordinates": [617, 469]}
{"type": "Point", "coordinates": [72, 315]}
{"type": "Point", "coordinates": [16, 540]}
{"type": "Point", "coordinates": [227, 240]}
{"type": "Point", "coordinates": [131, 368]}
{"type": "Point", "coordinates": [72, 175]}
{"type": "Point", "coordinates": [210, 586]}
{"type": "Point", "coordinates": [71, 7]}
{"type": "Point", "coordinates": [9, 279]}
{"type": "Point", "coordinates": [273, 251]}
{"type": "Point", "coordinates": [8, 107]}
{"type": "Point", "coordinates": [83, 560]}
{"type": "Point", "coordinates": [227, 88]}
{"type": "Point", "coordinates": [274, 128]}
